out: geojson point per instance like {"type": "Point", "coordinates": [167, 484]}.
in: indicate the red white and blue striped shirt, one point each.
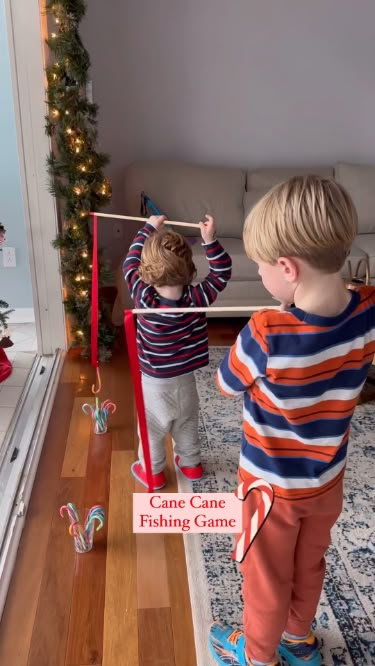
{"type": "Point", "coordinates": [301, 376]}
{"type": "Point", "coordinates": [174, 344]}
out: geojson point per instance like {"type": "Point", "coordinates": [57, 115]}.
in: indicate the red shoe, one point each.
{"type": "Point", "coordinates": [158, 480]}
{"type": "Point", "coordinates": [192, 473]}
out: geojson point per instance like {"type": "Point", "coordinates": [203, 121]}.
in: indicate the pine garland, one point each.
{"type": "Point", "coordinates": [4, 307]}
{"type": "Point", "coordinates": [4, 314]}
{"type": "Point", "coordinates": [75, 169]}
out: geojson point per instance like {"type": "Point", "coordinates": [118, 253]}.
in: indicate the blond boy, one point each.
{"type": "Point", "coordinates": [301, 371]}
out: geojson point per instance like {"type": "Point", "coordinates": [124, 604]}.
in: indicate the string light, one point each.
{"type": "Point", "coordinates": [73, 129]}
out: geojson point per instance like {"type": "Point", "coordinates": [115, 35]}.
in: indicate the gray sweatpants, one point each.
{"type": "Point", "coordinates": [172, 406]}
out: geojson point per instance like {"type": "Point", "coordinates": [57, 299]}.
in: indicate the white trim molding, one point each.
{"type": "Point", "coordinates": [22, 316]}
{"type": "Point", "coordinates": [26, 41]}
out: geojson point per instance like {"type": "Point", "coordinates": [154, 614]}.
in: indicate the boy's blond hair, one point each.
{"type": "Point", "coordinates": [306, 217]}
{"type": "Point", "coordinates": [167, 260]}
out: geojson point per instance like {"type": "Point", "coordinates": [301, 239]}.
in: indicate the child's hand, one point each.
{"type": "Point", "coordinates": [208, 230]}
{"type": "Point", "coordinates": [157, 221]}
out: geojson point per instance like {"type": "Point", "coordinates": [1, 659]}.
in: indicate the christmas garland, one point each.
{"type": "Point", "coordinates": [75, 169]}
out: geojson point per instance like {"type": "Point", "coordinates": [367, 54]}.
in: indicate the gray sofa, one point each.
{"type": "Point", "coordinates": [187, 192]}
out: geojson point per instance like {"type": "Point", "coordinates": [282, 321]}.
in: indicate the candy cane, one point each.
{"type": "Point", "coordinates": [83, 537]}
{"type": "Point", "coordinates": [257, 519]}
{"type": "Point", "coordinates": [109, 406]}
{"type": "Point", "coordinates": [96, 513]}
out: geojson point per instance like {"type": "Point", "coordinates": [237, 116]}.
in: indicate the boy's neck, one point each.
{"type": "Point", "coordinates": [323, 295]}
{"type": "Point", "coordinates": [171, 293]}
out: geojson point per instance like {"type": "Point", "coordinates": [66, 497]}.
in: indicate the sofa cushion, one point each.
{"type": "Point", "coordinates": [187, 192]}
{"type": "Point", "coordinates": [242, 267]}
{"type": "Point", "coordinates": [267, 178]}
{"type": "Point", "coordinates": [251, 198]}
{"type": "Point", "coordinates": [359, 180]}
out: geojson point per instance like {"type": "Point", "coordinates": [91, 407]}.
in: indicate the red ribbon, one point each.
{"type": "Point", "coordinates": [94, 297]}
{"type": "Point", "coordinates": [135, 369]}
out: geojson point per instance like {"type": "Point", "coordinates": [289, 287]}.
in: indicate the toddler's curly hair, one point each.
{"type": "Point", "coordinates": [167, 260]}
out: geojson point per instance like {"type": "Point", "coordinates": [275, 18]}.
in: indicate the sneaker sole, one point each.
{"type": "Point", "coordinates": [189, 478]}
{"type": "Point", "coordinates": [138, 478]}
{"type": "Point", "coordinates": [224, 658]}
{"type": "Point", "coordinates": [295, 661]}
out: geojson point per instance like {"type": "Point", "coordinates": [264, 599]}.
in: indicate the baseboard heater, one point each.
{"type": "Point", "coordinates": [19, 458]}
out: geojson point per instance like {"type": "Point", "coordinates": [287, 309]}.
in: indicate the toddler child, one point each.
{"type": "Point", "coordinates": [159, 271]}
{"type": "Point", "coordinates": [300, 371]}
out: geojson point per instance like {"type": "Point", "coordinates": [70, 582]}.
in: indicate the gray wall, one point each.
{"type": "Point", "coordinates": [241, 82]}
{"type": "Point", "coordinates": [15, 285]}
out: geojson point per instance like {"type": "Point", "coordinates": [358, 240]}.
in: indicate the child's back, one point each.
{"type": "Point", "coordinates": [303, 375]}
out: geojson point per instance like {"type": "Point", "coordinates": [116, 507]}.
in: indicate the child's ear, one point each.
{"type": "Point", "coordinates": [289, 268]}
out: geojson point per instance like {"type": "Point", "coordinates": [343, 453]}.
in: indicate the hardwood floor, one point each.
{"type": "Point", "coordinates": [126, 603]}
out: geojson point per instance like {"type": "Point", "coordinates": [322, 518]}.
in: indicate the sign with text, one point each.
{"type": "Point", "coordinates": [186, 512]}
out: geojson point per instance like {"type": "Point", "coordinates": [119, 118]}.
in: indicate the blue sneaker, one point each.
{"type": "Point", "coordinates": [227, 645]}
{"type": "Point", "coordinates": [300, 651]}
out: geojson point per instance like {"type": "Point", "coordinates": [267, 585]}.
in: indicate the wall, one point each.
{"type": "Point", "coordinates": [15, 285]}
{"type": "Point", "coordinates": [247, 82]}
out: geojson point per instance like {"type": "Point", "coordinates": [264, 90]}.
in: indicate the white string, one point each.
{"type": "Point", "coordinates": [146, 219]}
{"type": "Point", "coordinates": [233, 308]}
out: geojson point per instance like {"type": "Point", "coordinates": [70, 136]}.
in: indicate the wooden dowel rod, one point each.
{"type": "Point", "coordinates": [239, 308]}
{"type": "Point", "coordinates": [145, 219]}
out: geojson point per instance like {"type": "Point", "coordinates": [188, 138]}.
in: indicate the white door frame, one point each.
{"type": "Point", "coordinates": [26, 33]}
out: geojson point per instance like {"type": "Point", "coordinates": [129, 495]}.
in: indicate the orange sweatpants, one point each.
{"type": "Point", "coordinates": [284, 569]}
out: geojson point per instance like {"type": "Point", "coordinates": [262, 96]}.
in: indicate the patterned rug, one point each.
{"type": "Point", "coordinates": [345, 621]}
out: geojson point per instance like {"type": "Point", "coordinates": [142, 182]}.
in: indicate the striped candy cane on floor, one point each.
{"type": "Point", "coordinates": [258, 518]}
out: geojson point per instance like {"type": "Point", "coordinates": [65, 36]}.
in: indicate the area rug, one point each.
{"type": "Point", "coordinates": [345, 621]}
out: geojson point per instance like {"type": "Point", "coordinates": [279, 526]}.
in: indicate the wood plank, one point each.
{"type": "Point", "coordinates": [120, 614]}
{"type": "Point", "coordinates": [77, 447]}
{"type": "Point", "coordinates": [98, 470]}
{"type": "Point", "coordinates": [181, 617]}
{"type": "Point", "coordinates": [28, 571]}
{"type": "Point", "coordinates": [48, 641]}
{"type": "Point", "coordinates": [155, 637]}
{"type": "Point", "coordinates": [122, 423]}
{"type": "Point", "coordinates": [71, 369]}
{"type": "Point", "coordinates": [153, 589]}
{"type": "Point", "coordinates": [85, 635]}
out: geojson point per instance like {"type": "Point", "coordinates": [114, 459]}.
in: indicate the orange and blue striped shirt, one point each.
{"type": "Point", "coordinates": [301, 376]}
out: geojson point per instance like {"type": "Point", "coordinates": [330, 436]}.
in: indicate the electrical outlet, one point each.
{"type": "Point", "coordinates": [9, 257]}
